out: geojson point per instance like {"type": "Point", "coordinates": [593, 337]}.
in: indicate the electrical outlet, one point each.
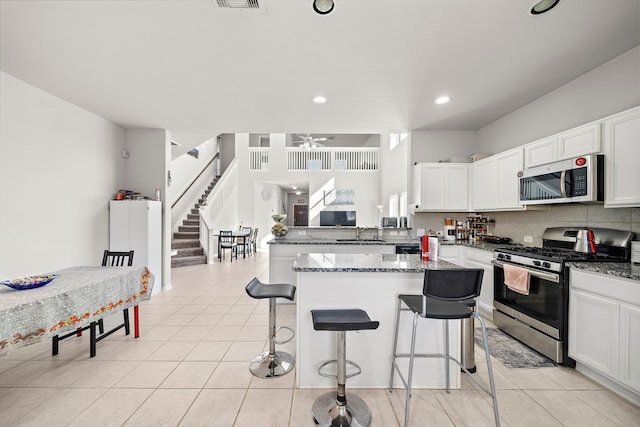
{"type": "Point", "coordinates": [393, 233]}
{"type": "Point", "coordinates": [527, 239]}
{"type": "Point", "coordinates": [302, 233]}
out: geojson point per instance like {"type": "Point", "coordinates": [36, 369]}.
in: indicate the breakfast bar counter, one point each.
{"type": "Point", "coordinates": [370, 282]}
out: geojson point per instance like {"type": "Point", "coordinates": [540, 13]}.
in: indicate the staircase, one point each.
{"type": "Point", "coordinates": [186, 242]}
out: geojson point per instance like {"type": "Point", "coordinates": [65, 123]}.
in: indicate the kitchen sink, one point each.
{"type": "Point", "coordinates": [359, 240]}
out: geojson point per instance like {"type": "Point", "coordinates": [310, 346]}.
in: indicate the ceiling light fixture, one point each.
{"type": "Point", "coordinates": [442, 100]}
{"type": "Point", "coordinates": [543, 6]}
{"type": "Point", "coordinates": [319, 99]}
{"type": "Point", "coordinates": [323, 7]}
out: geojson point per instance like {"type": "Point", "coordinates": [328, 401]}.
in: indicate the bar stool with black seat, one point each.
{"type": "Point", "coordinates": [109, 259]}
{"type": "Point", "coordinates": [272, 363]}
{"type": "Point", "coordinates": [335, 408]}
{"type": "Point", "coordinates": [447, 294]}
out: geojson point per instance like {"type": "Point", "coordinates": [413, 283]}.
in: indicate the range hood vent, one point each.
{"type": "Point", "coordinates": [242, 5]}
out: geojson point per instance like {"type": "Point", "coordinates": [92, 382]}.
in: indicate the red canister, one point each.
{"type": "Point", "coordinates": [425, 247]}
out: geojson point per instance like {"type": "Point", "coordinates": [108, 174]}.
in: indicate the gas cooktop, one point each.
{"type": "Point", "coordinates": [556, 254]}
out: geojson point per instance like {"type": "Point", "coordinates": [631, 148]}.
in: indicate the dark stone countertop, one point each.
{"type": "Point", "coordinates": [359, 263]}
{"type": "Point", "coordinates": [626, 270]}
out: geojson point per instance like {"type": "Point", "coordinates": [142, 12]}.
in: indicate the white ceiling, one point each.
{"type": "Point", "coordinates": [198, 71]}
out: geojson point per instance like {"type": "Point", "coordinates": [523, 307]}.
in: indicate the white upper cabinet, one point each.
{"type": "Point", "coordinates": [484, 184]}
{"type": "Point", "coordinates": [580, 141]}
{"type": "Point", "coordinates": [576, 142]}
{"type": "Point", "coordinates": [622, 150]}
{"type": "Point", "coordinates": [541, 152]}
{"type": "Point", "coordinates": [496, 181]}
{"type": "Point", "coordinates": [509, 164]}
{"type": "Point", "coordinates": [441, 187]}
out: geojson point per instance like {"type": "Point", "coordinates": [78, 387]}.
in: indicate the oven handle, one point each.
{"type": "Point", "coordinates": [551, 277]}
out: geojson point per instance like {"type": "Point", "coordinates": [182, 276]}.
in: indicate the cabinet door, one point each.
{"type": "Point", "coordinates": [433, 178]}
{"type": "Point", "coordinates": [580, 141]}
{"type": "Point", "coordinates": [456, 187]}
{"type": "Point", "coordinates": [622, 150]}
{"type": "Point", "coordinates": [485, 183]}
{"type": "Point", "coordinates": [486, 292]}
{"type": "Point", "coordinates": [593, 332]}
{"type": "Point", "coordinates": [540, 152]}
{"type": "Point", "coordinates": [629, 370]}
{"type": "Point", "coordinates": [509, 164]}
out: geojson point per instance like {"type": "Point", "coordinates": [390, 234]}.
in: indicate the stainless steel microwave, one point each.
{"type": "Point", "coordinates": [576, 180]}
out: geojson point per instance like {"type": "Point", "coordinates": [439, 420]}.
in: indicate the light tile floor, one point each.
{"type": "Point", "coordinates": [189, 368]}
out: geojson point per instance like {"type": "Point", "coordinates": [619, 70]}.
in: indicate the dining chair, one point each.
{"type": "Point", "coordinates": [254, 240]}
{"type": "Point", "coordinates": [227, 241]}
{"type": "Point", "coordinates": [243, 242]}
{"type": "Point", "coordinates": [109, 259]}
{"type": "Point", "coordinates": [447, 294]}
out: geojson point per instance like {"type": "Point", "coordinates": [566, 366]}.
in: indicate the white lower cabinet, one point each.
{"type": "Point", "coordinates": [604, 329]}
{"type": "Point", "coordinates": [480, 258]}
{"type": "Point", "coordinates": [593, 338]}
{"type": "Point", "coordinates": [629, 367]}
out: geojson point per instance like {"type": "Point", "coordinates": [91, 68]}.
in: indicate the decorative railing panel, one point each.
{"type": "Point", "coordinates": [259, 159]}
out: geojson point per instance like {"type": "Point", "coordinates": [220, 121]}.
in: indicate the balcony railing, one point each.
{"type": "Point", "coordinates": [319, 159]}
{"type": "Point", "coordinates": [325, 159]}
{"type": "Point", "coordinates": [259, 159]}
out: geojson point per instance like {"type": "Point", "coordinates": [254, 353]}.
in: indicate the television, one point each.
{"type": "Point", "coordinates": [342, 218]}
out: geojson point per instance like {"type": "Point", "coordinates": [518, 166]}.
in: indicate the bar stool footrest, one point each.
{"type": "Point", "coordinates": [266, 365]}
{"type": "Point", "coordinates": [293, 335]}
{"type": "Point", "coordinates": [327, 412]}
{"type": "Point", "coordinates": [332, 361]}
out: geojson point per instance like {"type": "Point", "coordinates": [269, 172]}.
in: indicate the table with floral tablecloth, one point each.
{"type": "Point", "coordinates": [79, 296]}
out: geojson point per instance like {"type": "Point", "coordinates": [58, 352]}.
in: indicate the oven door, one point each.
{"type": "Point", "coordinates": [541, 309]}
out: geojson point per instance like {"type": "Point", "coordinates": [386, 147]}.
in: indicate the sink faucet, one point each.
{"type": "Point", "coordinates": [358, 231]}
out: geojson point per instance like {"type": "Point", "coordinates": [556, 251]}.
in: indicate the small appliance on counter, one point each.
{"type": "Point", "coordinates": [389, 222]}
{"type": "Point", "coordinates": [449, 230]}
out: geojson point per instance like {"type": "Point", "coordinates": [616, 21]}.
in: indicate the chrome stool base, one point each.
{"type": "Point", "coordinates": [267, 366]}
{"type": "Point", "coordinates": [327, 412]}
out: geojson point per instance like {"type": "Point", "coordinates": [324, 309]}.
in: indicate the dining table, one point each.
{"type": "Point", "coordinates": [79, 296]}
{"type": "Point", "coordinates": [235, 234]}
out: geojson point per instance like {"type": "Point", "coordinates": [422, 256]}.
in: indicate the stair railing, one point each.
{"type": "Point", "coordinates": [220, 211]}
{"type": "Point", "coordinates": [183, 204]}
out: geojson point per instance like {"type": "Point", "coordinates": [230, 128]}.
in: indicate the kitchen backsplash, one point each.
{"type": "Point", "coordinates": [533, 223]}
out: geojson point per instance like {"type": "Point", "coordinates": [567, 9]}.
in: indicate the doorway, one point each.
{"type": "Point", "coordinates": [301, 215]}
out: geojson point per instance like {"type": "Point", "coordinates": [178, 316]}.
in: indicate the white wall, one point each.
{"type": "Point", "coordinates": [59, 167]}
{"type": "Point", "coordinates": [607, 89]}
{"type": "Point", "coordinates": [394, 170]}
{"type": "Point", "coordinates": [186, 166]}
{"type": "Point", "coordinates": [433, 146]}
{"type": "Point", "coordinates": [146, 170]}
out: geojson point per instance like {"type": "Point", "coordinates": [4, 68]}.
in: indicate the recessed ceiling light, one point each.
{"type": "Point", "coordinates": [543, 6]}
{"type": "Point", "coordinates": [319, 99]}
{"type": "Point", "coordinates": [293, 187]}
{"type": "Point", "coordinates": [323, 7]}
{"type": "Point", "coordinates": [298, 192]}
{"type": "Point", "coordinates": [442, 100]}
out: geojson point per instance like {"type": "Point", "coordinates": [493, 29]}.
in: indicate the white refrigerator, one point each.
{"type": "Point", "coordinates": [137, 225]}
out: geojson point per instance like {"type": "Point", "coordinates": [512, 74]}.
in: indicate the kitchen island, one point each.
{"type": "Point", "coordinates": [370, 282]}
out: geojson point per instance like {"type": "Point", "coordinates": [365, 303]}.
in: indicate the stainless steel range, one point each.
{"type": "Point", "coordinates": [539, 318]}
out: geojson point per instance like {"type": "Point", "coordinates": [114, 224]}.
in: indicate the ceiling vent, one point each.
{"type": "Point", "coordinates": [240, 5]}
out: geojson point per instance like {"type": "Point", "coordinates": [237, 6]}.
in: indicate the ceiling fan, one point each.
{"type": "Point", "coordinates": [308, 142]}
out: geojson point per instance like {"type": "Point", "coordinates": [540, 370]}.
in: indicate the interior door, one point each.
{"type": "Point", "coordinates": [300, 215]}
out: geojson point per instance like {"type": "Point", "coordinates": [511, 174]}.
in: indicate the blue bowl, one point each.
{"type": "Point", "coordinates": [30, 282]}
